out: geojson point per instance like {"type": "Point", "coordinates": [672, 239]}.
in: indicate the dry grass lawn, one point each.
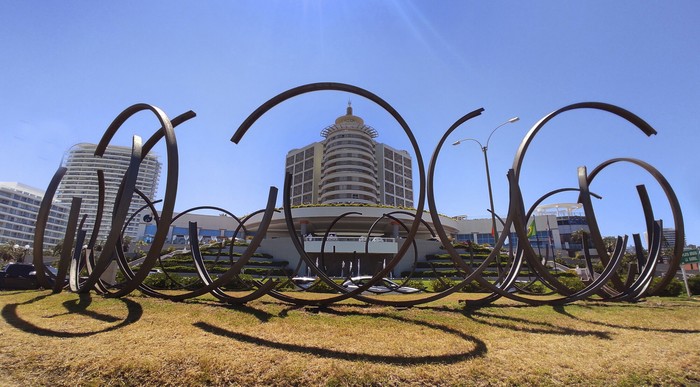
{"type": "Point", "coordinates": [68, 340]}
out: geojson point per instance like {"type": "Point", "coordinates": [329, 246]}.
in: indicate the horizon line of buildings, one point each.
{"type": "Point", "coordinates": [347, 167]}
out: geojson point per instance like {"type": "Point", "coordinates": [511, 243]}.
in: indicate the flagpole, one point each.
{"type": "Point", "coordinates": [550, 241]}
{"type": "Point", "coordinates": [537, 236]}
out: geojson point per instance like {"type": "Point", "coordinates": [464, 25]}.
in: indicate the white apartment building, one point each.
{"type": "Point", "coordinates": [80, 180]}
{"type": "Point", "coordinates": [19, 206]}
{"type": "Point", "coordinates": [349, 166]}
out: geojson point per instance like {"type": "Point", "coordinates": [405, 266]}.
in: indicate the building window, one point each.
{"type": "Point", "coordinates": [389, 200]}
{"type": "Point", "coordinates": [389, 188]}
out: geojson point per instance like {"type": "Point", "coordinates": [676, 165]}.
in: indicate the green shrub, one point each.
{"type": "Point", "coordinates": [416, 284]}
{"type": "Point", "coordinates": [570, 273]}
{"type": "Point", "coordinates": [172, 281]}
{"type": "Point", "coordinates": [694, 284]}
{"type": "Point", "coordinates": [472, 287]}
{"type": "Point", "coordinates": [573, 283]}
{"type": "Point", "coordinates": [266, 272]}
{"type": "Point", "coordinates": [537, 287]}
{"type": "Point", "coordinates": [440, 286]}
{"type": "Point", "coordinates": [167, 251]}
{"type": "Point", "coordinates": [241, 282]}
{"type": "Point", "coordinates": [285, 285]}
{"type": "Point", "coordinates": [321, 287]}
{"type": "Point", "coordinates": [673, 289]}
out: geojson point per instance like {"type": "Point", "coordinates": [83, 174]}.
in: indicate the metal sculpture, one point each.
{"type": "Point", "coordinates": [607, 285]}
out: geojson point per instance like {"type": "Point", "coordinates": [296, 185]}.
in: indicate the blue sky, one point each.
{"type": "Point", "coordinates": [69, 67]}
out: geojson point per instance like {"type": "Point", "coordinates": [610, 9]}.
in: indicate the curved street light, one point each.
{"type": "Point", "coordinates": [484, 149]}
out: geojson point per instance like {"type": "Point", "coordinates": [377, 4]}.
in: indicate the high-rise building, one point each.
{"type": "Point", "coordinates": [19, 206]}
{"type": "Point", "coordinates": [349, 166]}
{"type": "Point", "coordinates": [80, 180]}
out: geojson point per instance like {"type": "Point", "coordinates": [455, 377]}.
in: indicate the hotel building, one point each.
{"type": "Point", "coordinates": [349, 166]}
{"type": "Point", "coordinates": [19, 206]}
{"type": "Point", "coordinates": [81, 181]}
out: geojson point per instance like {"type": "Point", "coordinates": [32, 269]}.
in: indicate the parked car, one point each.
{"type": "Point", "coordinates": [18, 275]}
{"type": "Point", "coordinates": [384, 286]}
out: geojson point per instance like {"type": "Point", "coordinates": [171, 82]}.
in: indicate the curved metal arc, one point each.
{"type": "Point", "coordinates": [161, 132]}
{"type": "Point", "coordinates": [90, 253]}
{"type": "Point", "coordinates": [376, 281]}
{"type": "Point", "coordinates": [75, 262]}
{"type": "Point", "coordinates": [207, 280]}
{"type": "Point", "coordinates": [539, 269]}
{"type": "Point", "coordinates": [100, 209]}
{"type": "Point", "coordinates": [345, 294]}
{"type": "Point", "coordinates": [236, 268]}
{"type": "Point", "coordinates": [65, 260]}
{"type": "Point", "coordinates": [592, 221]}
{"type": "Point", "coordinates": [238, 135]}
{"type": "Point", "coordinates": [472, 274]}
{"type": "Point", "coordinates": [607, 274]}
{"type": "Point", "coordinates": [225, 211]}
{"type": "Point", "coordinates": [202, 271]}
{"type": "Point", "coordinates": [675, 211]}
{"type": "Point", "coordinates": [641, 284]}
{"type": "Point", "coordinates": [647, 265]}
{"type": "Point", "coordinates": [166, 213]}
{"type": "Point", "coordinates": [426, 224]}
{"type": "Point", "coordinates": [623, 113]}
{"type": "Point", "coordinates": [303, 255]}
{"type": "Point", "coordinates": [149, 204]}
{"type": "Point", "coordinates": [118, 216]}
{"type": "Point", "coordinates": [315, 268]}
{"type": "Point", "coordinates": [241, 225]}
{"type": "Point", "coordinates": [42, 219]}
{"type": "Point", "coordinates": [415, 246]}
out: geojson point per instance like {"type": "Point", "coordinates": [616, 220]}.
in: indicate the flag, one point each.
{"type": "Point", "coordinates": [532, 229]}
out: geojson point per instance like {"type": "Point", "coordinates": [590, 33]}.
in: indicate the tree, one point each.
{"type": "Point", "coordinates": [56, 251]}
{"type": "Point", "coordinates": [577, 236]}
{"type": "Point", "coordinates": [7, 251]}
{"type": "Point", "coordinates": [126, 241]}
{"type": "Point", "coordinates": [610, 242]}
{"type": "Point", "coordinates": [11, 251]}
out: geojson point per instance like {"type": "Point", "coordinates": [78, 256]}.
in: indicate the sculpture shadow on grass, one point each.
{"type": "Point", "coordinates": [562, 311]}
{"type": "Point", "coordinates": [74, 307]}
{"type": "Point", "coordinates": [260, 314]}
{"type": "Point", "coordinates": [520, 324]}
{"type": "Point", "coordinates": [479, 350]}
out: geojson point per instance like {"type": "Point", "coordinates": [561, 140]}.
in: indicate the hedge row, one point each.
{"type": "Point", "coordinates": [454, 273]}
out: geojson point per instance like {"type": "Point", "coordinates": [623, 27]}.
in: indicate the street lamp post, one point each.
{"type": "Point", "coordinates": [484, 149]}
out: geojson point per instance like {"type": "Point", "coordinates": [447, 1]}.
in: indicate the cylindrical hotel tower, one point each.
{"type": "Point", "coordinates": [349, 164]}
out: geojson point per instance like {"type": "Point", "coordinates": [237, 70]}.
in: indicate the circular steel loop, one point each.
{"type": "Point", "coordinates": [606, 285]}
